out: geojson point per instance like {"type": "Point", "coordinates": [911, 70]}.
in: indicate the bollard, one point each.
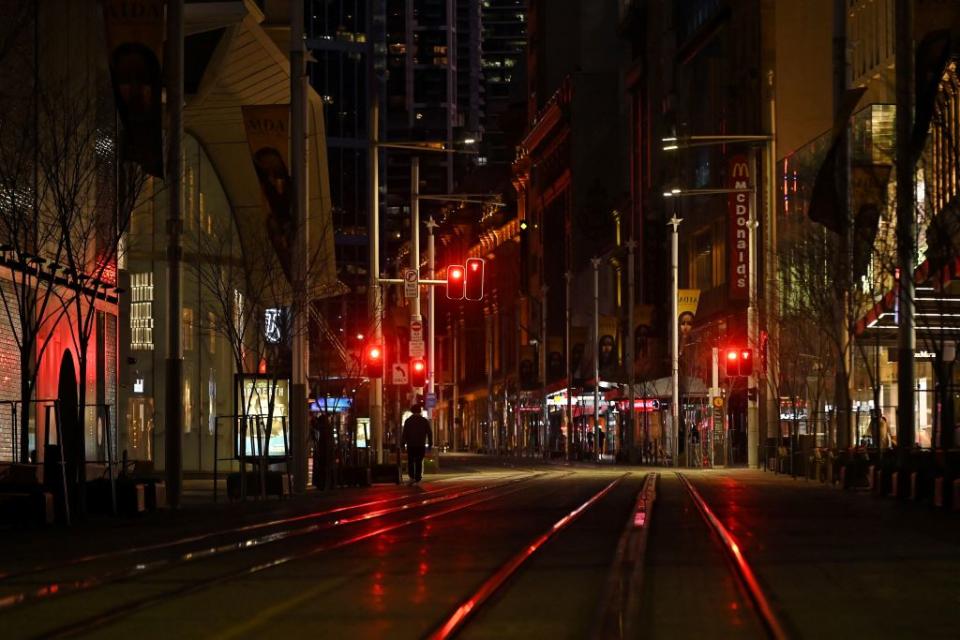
{"type": "Point", "coordinates": [871, 479]}
{"type": "Point", "coordinates": [938, 491]}
{"type": "Point", "coordinates": [956, 495]}
{"type": "Point", "coordinates": [895, 484]}
{"type": "Point", "coordinates": [913, 485]}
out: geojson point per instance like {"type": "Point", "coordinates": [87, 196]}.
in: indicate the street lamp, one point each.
{"type": "Point", "coordinates": [766, 141]}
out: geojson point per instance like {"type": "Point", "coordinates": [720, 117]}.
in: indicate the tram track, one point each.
{"type": "Point", "coordinates": [738, 564]}
{"type": "Point", "coordinates": [63, 587]}
{"type": "Point", "coordinates": [438, 508]}
{"type": "Point", "coordinates": [455, 622]}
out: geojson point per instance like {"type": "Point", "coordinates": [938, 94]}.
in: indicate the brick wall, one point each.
{"type": "Point", "coordinates": [9, 370]}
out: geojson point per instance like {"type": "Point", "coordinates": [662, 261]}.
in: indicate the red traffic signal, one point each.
{"type": "Point", "coordinates": [473, 279]}
{"type": "Point", "coordinates": [455, 282]}
{"type": "Point", "coordinates": [746, 362]}
{"type": "Point", "coordinates": [418, 373]}
{"type": "Point", "coordinates": [739, 362]}
{"type": "Point", "coordinates": [373, 361]}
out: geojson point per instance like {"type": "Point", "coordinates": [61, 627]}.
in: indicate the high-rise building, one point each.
{"type": "Point", "coordinates": [504, 69]}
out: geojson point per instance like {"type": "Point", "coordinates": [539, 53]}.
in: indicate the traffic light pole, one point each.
{"type": "Point", "coordinates": [374, 303]}
{"type": "Point", "coordinates": [753, 413]}
{"type": "Point", "coordinates": [415, 247]}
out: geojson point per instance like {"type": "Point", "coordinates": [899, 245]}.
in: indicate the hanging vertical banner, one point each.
{"type": "Point", "coordinates": [528, 366]}
{"type": "Point", "coordinates": [687, 302]}
{"type": "Point", "coordinates": [608, 347]}
{"type": "Point", "coordinates": [738, 239]}
{"type": "Point", "coordinates": [268, 129]}
{"type": "Point", "coordinates": [555, 355]}
{"type": "Point", "coordinates": [579, 363]}
{"type": "Point", "coordinates": [134, 33]}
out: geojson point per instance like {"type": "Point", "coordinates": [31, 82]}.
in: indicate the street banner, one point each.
{"type": "Point", "coordinates": [738, 243]}
{"type": "Point", "coordinates": [268, 128]}
{"type": "Point", "coordinates": [528, 366]}
{"type": "Point", "coordinates": [579, 362]}
{"type": "Point", "coordinates": [607, 344]}
{"type": "Point", "coordinates": [868, 194]}
{"type": "Point", "coordinates": [134, 34]}
{"type": "Point", "coordinates": [687, 302]}
{"type": "Point", "coordinates": [556, 362]}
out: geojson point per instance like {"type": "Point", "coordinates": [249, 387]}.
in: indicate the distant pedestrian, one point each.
{"type": "Point", "coordinates": [417, 437]}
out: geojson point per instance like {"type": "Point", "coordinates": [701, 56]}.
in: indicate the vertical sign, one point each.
{"type": "Point", "coordinates": [134, 34]}
{"type": "Point", "coordinates": [267, 128]}
{"type": "Point", "coordinates": [738, 242]}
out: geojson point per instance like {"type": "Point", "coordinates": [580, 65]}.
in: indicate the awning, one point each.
{"type": "Point", "coordinates": [937, 308]}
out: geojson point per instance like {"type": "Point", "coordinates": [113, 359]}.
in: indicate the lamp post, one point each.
{"type": "Point", "coordinates": [766, 141]}
{"type": "Point", "coordinates": [674, 336]}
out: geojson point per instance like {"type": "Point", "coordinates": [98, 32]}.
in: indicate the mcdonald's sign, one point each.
{"type": "Point", "coordinates": [738, 236]}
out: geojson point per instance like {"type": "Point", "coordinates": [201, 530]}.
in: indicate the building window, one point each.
{"type": "Point", "coordinates": [141, 311]}
{"type": "Point", "coordinates": [187, 337]}
{"type": "Point", "coordinates": [703, 260]}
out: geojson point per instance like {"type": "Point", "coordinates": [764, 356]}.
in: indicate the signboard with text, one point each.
{"type": "Point", "coordinates": [738, 237]}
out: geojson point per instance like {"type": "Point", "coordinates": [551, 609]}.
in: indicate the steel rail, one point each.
{"type": "Point", "coordinates": [109, 616]}
{"type": "Point", "coordinates": [116, 553]}
{"type": "Point", "coordinates": [455, 622]}
{"type": "Point", "coordinates": [63, 588]}
{"type": "Point", "coordinates": [746, 575]}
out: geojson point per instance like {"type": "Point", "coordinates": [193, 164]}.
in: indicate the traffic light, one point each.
{"type": "Point", "coordinates": [733, 362]}
{"type": "Point", "coordinates": [455, 288]}
{"type": "Point", "coordinates": [746, 362]}
{"type": "Point", "coordinates": [473, 279]}
{"type": "Point", "coordinates": [739, 362]}
{"type": "Point", "coordinates": [373, 361]}
{"type": "Point", "coordinates": [418, 373]}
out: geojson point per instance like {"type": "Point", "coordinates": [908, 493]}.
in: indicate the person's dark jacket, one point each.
{"type": "Point", "coordinates": [416, 432]}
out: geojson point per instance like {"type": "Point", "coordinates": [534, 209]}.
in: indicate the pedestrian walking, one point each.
{"type": "Point", "coordinates": [417, 437]}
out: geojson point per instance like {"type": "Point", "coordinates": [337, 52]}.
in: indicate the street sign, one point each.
{"type": "Point", "coordinates": [410, 282]}
{"type": "Point", "coordinates": [416, 329]}
{"type": "Point", "coordinates": [431, 400]}
{"type": "Point", "coordinates": [401, 375]}
{"type": "Point", "coordinates": [417, 349]}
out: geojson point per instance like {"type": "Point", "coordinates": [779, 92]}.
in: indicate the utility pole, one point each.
{"type": "Point", "coordinates": [674, 337]}
{"type": "Point", "coordinates": [906, 228]}
{"type": "Point", "coordinates": [301, 257]}
{"type": "Point", "coordinates": [545, 430]}
{"type": "Point", "coordinates": [596, 356]}
{"type": "Point", "coordinates": [842, 283]}
{"type": "Point", "coordinates": [753, 417]}
{"type": "Point", "coordinates": [173, 439]}
{"type": "Point", "coordinates": [627, 440]}
{"type": "Point", "coordinates": [567, 277]}
{"type": "Point", "coordinates": [374, 301]}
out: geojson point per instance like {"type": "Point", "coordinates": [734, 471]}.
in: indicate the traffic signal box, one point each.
{"type": "Point", "coordinates": [373, 361]}
{"type": "Point", "coordinates": [418, 373]}
{"type": "Point", "coordinates": [455, 287]}
{"type": "Point", "coordinates": [739, 362]}
{"type": "Point", "coordinates": [473, 279]}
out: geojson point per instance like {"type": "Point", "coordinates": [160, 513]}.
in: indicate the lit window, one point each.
{"type": "Point", "coordinates": [141, 311]}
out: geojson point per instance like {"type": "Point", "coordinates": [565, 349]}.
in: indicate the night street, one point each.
{"type": "Point", "coordinates": [400, 561]}
{"type": "Point", "coordinates": [480, 318]}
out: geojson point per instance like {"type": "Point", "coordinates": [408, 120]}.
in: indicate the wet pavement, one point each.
{"type": "Point", "coordinates": [400, 561]}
